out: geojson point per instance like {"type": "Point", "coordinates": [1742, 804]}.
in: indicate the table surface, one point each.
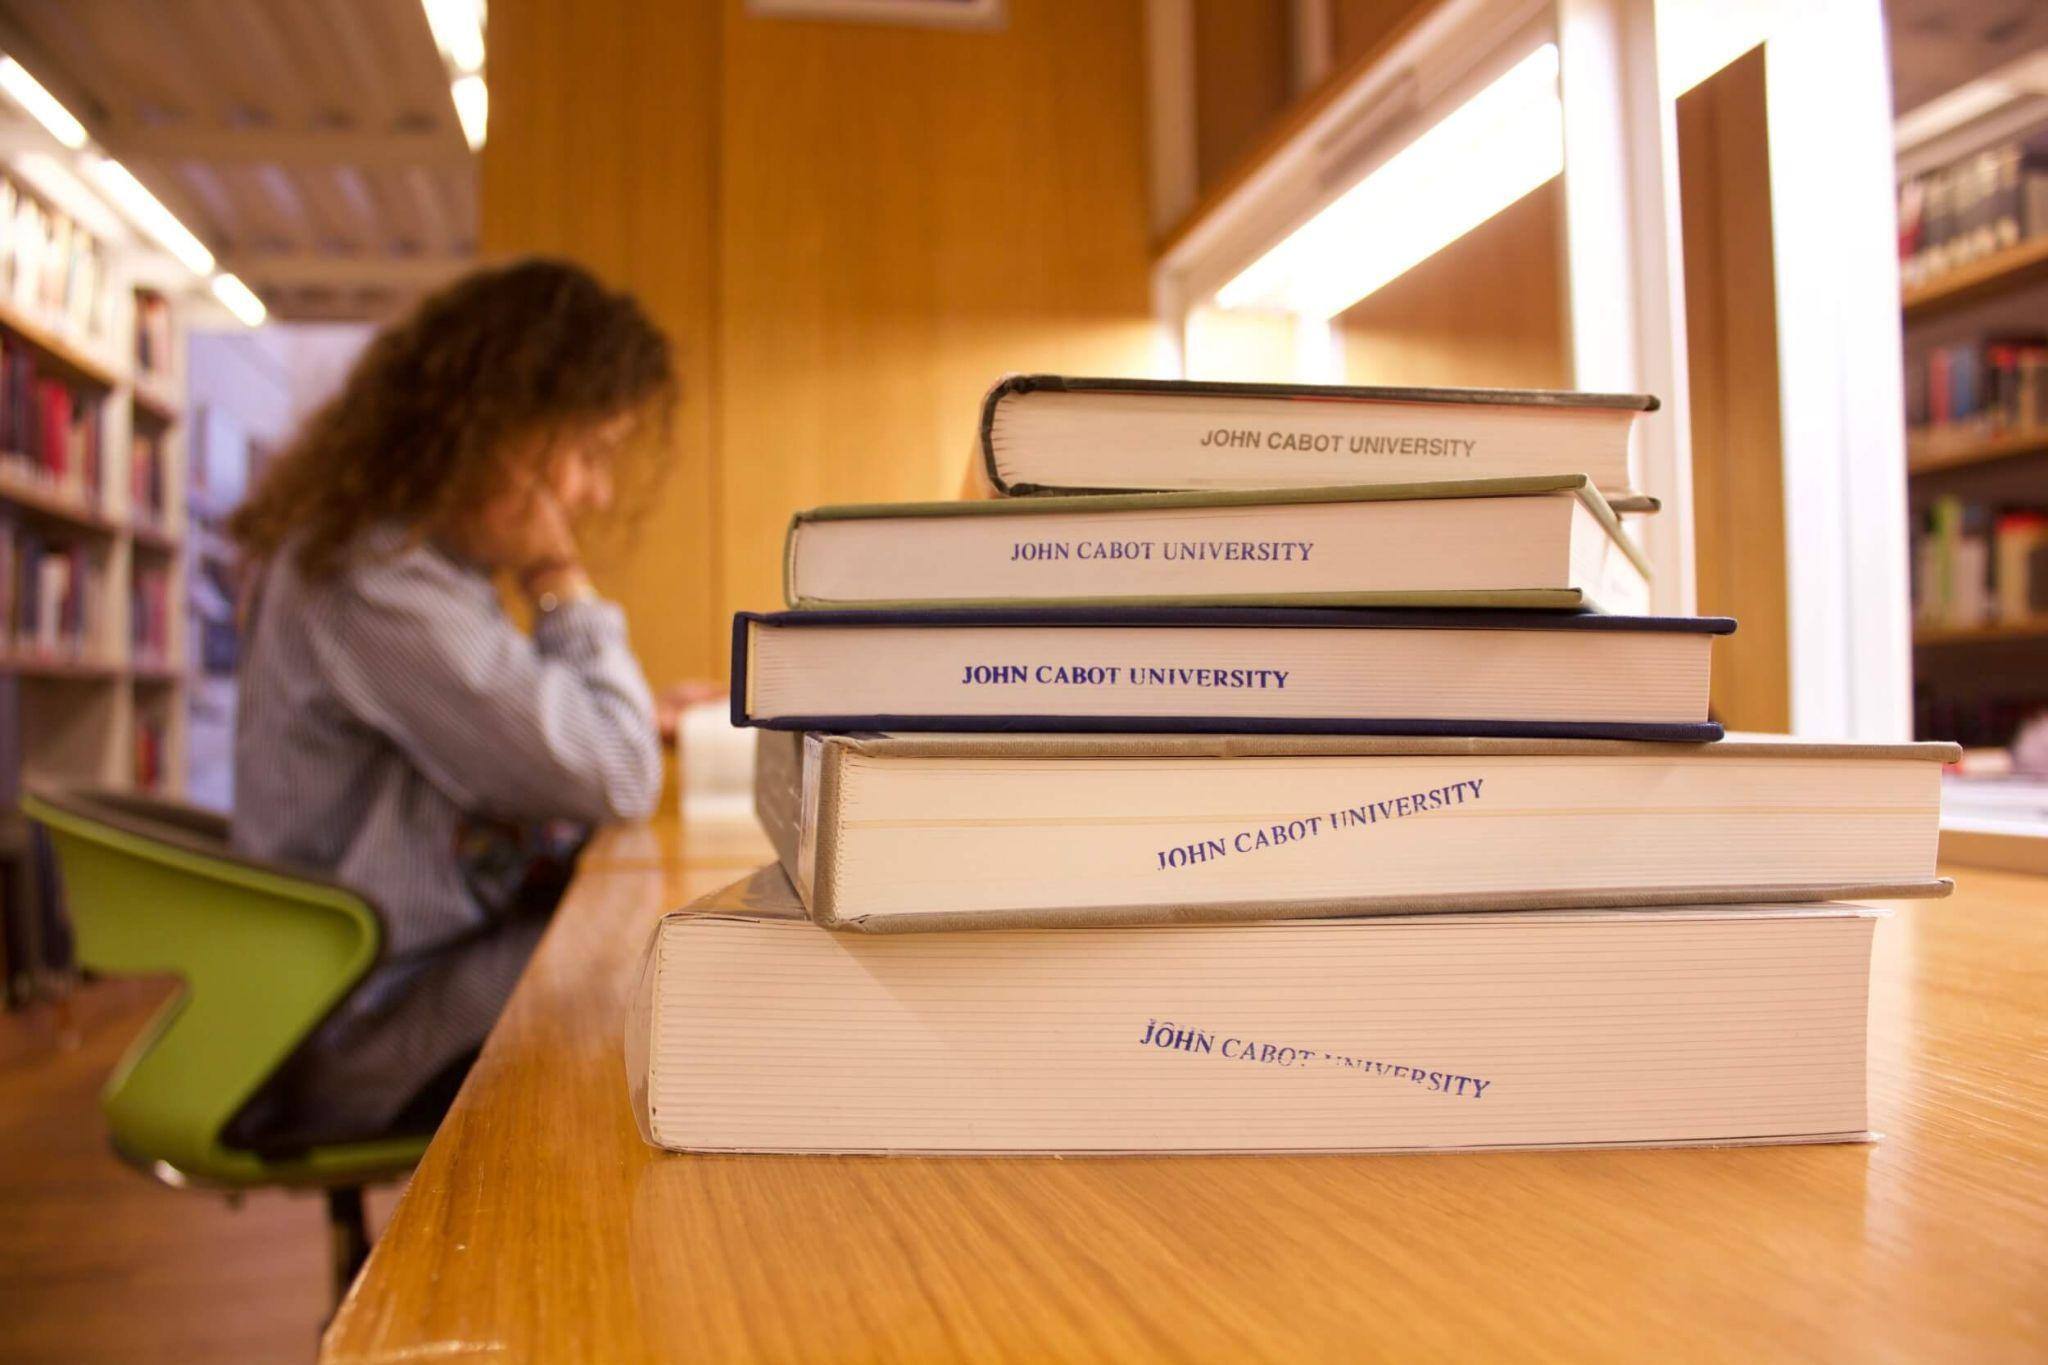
{"type": "Point", "coordinates": [540, 1228]}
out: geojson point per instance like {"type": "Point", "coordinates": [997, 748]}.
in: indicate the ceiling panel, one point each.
{"type": "Point", "coordinates": [311, 143]}
{"type": "Point", "coordinates": [1938, 45]}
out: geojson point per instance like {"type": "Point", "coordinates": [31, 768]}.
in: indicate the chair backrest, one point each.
{"type": "Point", "coordinates": [264, 955]}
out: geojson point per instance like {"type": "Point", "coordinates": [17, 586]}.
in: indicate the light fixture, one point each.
{"type": "Point", "coordinates": [147, 212]}
{"type": "Point", "coordinates": [472, 107]}
{"type": "Point", "coordinates": [1490, 151]}
{"type": "Point", "coordinates": [239, 299]}
{"type": "Point", "coordinates": [44, 107]}
{"type": "Point", "coordinates": [458, 27]}
{"type": "Point", "coordinates": [2016, 81]}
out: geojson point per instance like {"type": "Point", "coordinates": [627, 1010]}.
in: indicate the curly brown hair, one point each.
{"type": "Point", "coordinates": [442, 408]}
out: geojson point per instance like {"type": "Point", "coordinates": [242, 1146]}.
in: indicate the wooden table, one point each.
{"type": "Point", "coordinates": [539, 1228]}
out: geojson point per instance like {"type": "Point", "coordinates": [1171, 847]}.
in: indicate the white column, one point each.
{"type": "Point", "coordinates": [1625, 294]}
{"type": "Point", "coordinates": [1827, 92]}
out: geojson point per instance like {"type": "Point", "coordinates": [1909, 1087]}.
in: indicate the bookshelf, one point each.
{"type": "Point", "coordinates": [92, 651]}
{"type": "Point", "coordinates": [1977, 436]}
{"type": "Point", "coordinates": [1987, 277]}
{"type": "Point", "coordinates": [1926, 454]}
{"type": "Point", "coordinates": [1993, 632]}
{"type": "Point", "coordinates": [123, 616]}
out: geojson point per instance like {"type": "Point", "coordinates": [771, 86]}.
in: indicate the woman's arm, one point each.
{"type": "Point", "coordinates": [558, 726]}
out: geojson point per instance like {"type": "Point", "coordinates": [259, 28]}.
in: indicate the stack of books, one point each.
{"type": "Point", "coordinates": [1270, 769]}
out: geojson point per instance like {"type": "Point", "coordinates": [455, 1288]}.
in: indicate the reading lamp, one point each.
{"type": "Point", "coordinates": [1490, 151]}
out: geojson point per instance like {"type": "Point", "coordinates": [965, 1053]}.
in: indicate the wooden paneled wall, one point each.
{"type": "Point", "coordinates": [1738, 476]}
{"type": "Point", "coordinates": [1244, 79]}
{"type": "Point", "coordinates": [1357, 26]}
{"type": "Point", "coordinates": [604, 147]}
{"type": "Point", "coordinates": [850, 229]}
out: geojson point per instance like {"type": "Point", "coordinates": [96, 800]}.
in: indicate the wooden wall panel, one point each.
{"type": "Point", "coordinates": [1487, 310]}
{"type": "Point", "coordinates": [907, 214]}
{"type": "Point", "coordinates": [603, 145]}
{"type": "Point", "coordinates": [1738, 477]}
{"type": "Point", "coordinates": [1357, 26]}
{"type": "Point", "coordinates": [1244, 79]}
{"type": "Point", "coordinates": [852, 229]}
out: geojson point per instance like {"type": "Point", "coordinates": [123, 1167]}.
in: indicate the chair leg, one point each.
{"type": "Point", "coordinates": [348, 1237]}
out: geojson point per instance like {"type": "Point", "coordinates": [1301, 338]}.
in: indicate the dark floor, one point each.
{"type": "Point", "coordinates": [98, 1263]}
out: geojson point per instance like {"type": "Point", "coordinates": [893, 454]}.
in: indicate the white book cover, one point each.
{"type": "Point", "coordinates": [754, 1030]}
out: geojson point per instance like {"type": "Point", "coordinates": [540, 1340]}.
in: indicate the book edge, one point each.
{"type": "Point", "coordinates": [1301, 618]}
{"type": "Point", "coordinates": [1429, 490]}
{"type": "Point", "coordinates": [1019, 384]}
{"type": "Point", "coordinates": [1375, 907]}
{"type": "Point", "coordinates": [1285, 745]}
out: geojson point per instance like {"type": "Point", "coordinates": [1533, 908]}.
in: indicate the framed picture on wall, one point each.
{"type": "Point", "coordinates": [924, 13]}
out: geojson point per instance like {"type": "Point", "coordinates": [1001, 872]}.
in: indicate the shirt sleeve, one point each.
{"type": "Point", "coordinates": [558, 725]}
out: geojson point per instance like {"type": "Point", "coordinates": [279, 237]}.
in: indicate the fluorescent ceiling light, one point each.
{"type": "Point", "coordinates": [44, 107]}
{"type": "Point", "coordinates": [472, 107]}
{"type": "Point", "coordinates": [458, 27]}
{"type": "Point", "coordinates": [240, 300]}
{"type": "Point", "coordinates": [147, 212]}
{"type": "Point", "coordinates": [1496, 147]}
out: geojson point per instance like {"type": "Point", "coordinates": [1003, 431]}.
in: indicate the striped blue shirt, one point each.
{"type": "Point", "coordinates": [389, 713]}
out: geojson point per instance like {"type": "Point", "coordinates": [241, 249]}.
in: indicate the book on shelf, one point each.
{"type": "Point", "coordinates": [1978, 564]}
{"type": "Point", "coordinates": [1330, 670]}
{"type": "Point", "coordinates": [152, 335]}
{"type": "Point", "coordinates": [1059, 434]}
{"type": "Point", "coordinates": [933, 832]}
{"type": "Point", "coordinates": [146, 476]}
{"type": "Point", "coordinates": [150, 742]}
{"type": "Point", "coordinates": [1977, 389]}
{"type": "Point", "coordinates": [51, 268]}
{"type": "Point", "coordinates": [1984, 203]}
{"type": "Point", "coordinates": [49, 590]}
{"type": "Point", "coordinates": [752, 1031]}
{"type": "Point", "coordinates": [49, 429]}
{"type": "Point", "coordinates": [149, 616]}
{"type": "Point", "coordinates": [1545, 542]}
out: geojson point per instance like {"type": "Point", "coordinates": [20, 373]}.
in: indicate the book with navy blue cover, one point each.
{"type": "Point", "coordinates": [1227, 669]}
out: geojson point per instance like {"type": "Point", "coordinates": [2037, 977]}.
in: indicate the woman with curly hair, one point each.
{"type": "Point", "coordinates": [397, 731]}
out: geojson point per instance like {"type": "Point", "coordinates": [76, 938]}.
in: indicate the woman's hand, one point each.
{"type": "Point", "coordinates": [527, 531]}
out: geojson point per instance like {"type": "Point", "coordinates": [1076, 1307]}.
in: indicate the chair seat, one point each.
{"type": "Point", "coordinates": [264, 953]}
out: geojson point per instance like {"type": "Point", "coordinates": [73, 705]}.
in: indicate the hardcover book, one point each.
{"type": "Point", "coordinates": [753, 1032]}
{"type": "Point", "coordinates": [1045, 433]}
{"type": "Point", "coordinates": [928, 832]}
{"type": "Point", "coordinates": [1547, 542]}
{"type": "Point", "coordinates": [1223, 669]}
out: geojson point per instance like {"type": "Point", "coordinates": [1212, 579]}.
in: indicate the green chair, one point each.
{"type": "Point", "coordinates": [265, 953]}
